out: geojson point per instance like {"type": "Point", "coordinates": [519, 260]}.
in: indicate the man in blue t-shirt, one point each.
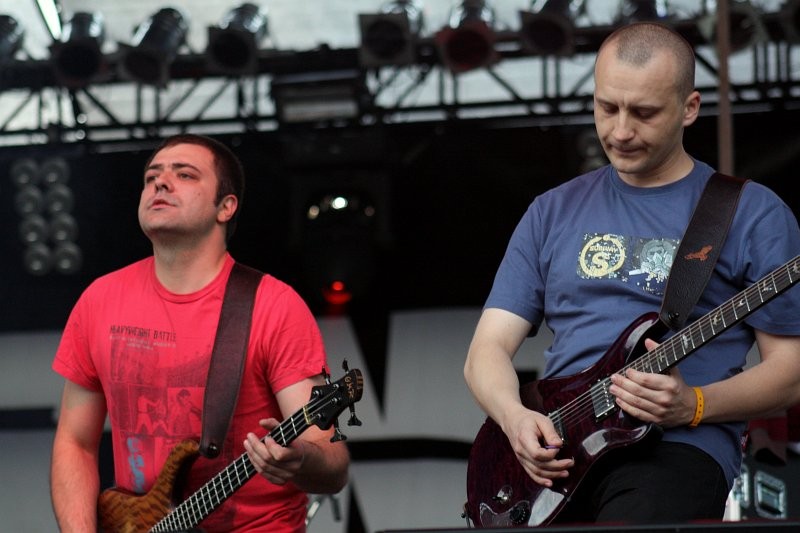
{"type": "Point", "coordinates": [591, 256]}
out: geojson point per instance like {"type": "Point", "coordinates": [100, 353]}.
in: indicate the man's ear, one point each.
{"type": "Point", "coordinates": [691, 108]}
{"type": "Point", "coordinates": [227, 208]}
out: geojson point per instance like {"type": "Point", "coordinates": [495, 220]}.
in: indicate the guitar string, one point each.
{"type": "Point", "coordinates": [582, 407]}
{"type": "Point", "coordinates": [242, 467]}
{"type": "Point", "coordinates": [670, 343]}
{"type": "Point", "coordinates": [581, 414]}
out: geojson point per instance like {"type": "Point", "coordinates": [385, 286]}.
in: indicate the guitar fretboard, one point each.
{"type": "Point", "coordinates": [207, 498]}
{"type": "Point", "coordinates": [720, 319]}
{"type": "Point", "coordinates": [597, 401]}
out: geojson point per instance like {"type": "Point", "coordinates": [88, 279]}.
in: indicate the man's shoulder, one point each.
{"type": "Point", "coordinates": [125, 275]}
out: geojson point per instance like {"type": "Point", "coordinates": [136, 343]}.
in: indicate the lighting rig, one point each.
{"type": "Point", "coordinates": [401, 54]}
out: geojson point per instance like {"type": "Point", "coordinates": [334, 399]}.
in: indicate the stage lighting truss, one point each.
{"type": "Point", "coordinates": [44, 202]}
{"type": "Point", "coordinates": [396, 73]}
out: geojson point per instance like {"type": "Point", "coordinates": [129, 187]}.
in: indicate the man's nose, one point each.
{"type": "Point", "coordinates": [623, 127]}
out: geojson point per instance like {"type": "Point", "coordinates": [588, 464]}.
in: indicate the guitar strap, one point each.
{"type": "Point", "coordinates": [700, 248]}
{"type": "Point", "coordinates": [227, 357]}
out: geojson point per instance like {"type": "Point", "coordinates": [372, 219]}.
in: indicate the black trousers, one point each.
{"type": "Point", "coordinates": [655, 484]}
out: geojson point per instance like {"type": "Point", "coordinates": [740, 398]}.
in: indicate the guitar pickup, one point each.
{"type": "Point", "coordinates": [602, 400]}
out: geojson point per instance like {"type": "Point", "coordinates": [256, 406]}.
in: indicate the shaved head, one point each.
{"type": "Point", "coordinates": [637, 43]}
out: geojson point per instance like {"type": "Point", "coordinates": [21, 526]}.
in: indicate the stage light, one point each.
{"type": "Point", "coordinates": [319, 96]}
{"type": "Point", "coordinates": [28, 200]}
{"type": "Point", "coordinates": [63, 228]}
{"type": "Point", "coordinates": [58, 199]}
{"type": "Point", "coordinates": [33, 228]}
{"type": "Point", "coordinates": [641, 10]}
{"type": "Point", "coordinates": [47, 227]}
{"type": "Point", "coordinates": [467, 42]}
{"type": "Point", "coordinates": [77, 57]}
{"type": "Point", "coordinates": [388, 37]}
{"type": "Point", "coordinates": [67, 258]}
{"type": "Point", "coordinates": [550, 29]}
{"type": "Point", "coordinates": [746, 27]}
{"type": "Point", "coordinates": [154, 47]}
{"type": "Point", "coordinates": [24, 172]}
{"type": "Point", "coordinates": [233, 44]}
{"type": "Point", "coordinates": [54, 170]}
{"type": "Point", "coordinates": [339, 251]}
{"type": "Point", "coordinates": [337, 293]}
{"type": "Point", "coordinates": [11, 37]}
{"type": "Point", "coordinates": [38, 259]}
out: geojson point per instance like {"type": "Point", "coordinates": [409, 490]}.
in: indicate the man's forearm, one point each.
{"type": "Point", "coordinates": [74, 487]}
{"type": "Point", "coordinates": [324, 469]}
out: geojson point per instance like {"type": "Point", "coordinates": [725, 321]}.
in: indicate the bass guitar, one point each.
{"type": "Point", "coordinates": [499, 491]}
{"type": "Point", "coordinates": [120, 511]}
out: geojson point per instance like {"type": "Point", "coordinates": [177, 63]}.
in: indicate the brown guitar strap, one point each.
{"type": "Point", "coordinates": [227, 357]}
{"type": "Point", "coordinates": [700, 248]}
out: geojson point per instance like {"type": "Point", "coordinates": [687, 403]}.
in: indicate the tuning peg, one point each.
{"type": "Point", "coordinates": [337, 434]}
{"type": "Point", "coordinates": [326, 376]}
{"type": "Point", "coordinates": [345, 366]}
{"type": "Point", "coordinates": [353, 421]}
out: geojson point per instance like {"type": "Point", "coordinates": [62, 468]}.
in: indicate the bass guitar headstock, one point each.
{"type": "Point", "coordinates": [329, 400]}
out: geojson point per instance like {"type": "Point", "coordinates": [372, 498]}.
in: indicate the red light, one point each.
{"type": "Point", "coordinates": [336, 293]}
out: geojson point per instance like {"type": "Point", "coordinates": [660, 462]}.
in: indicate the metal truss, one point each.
{"type": "Point", "coordinates": [35, 109]}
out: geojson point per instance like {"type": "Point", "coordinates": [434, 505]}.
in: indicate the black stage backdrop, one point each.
{"type": "Point", "coordinates": [446, 198]}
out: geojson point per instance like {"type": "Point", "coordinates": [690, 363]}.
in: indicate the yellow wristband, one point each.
{"type": "Point", "coordinates": [698, 410]}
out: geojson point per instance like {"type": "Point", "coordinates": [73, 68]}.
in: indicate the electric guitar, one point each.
{"type": "Point", "coordinates": [499, 491]}
{"type": "Point", "coordinates": [120, 511]}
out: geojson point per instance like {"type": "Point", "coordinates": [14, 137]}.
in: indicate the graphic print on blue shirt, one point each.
{"type": "Point", "coordinates": [644, 262]}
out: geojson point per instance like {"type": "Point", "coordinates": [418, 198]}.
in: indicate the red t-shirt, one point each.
{"type": "Point", "coordinates": [148, 350]}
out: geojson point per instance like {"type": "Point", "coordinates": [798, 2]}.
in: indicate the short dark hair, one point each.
{"type": "Point", "coordinates": [230, 174]}
{"type": "Point", "coordinates": [637, 42]}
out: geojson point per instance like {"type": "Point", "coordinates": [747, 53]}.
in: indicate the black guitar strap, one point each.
{"type": "Point", "coordinates": [700, 248]}
{"type": "Point", "coordinates": [227, 357]}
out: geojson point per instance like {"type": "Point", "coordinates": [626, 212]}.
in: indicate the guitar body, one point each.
{"type": "Point", "coordinates": [499, 491]}
{"type": "Point", "coordinates": [121, 511]}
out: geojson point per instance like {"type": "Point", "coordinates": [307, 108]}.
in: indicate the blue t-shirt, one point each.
{"type": "Point", "coordinates": [591, 256]}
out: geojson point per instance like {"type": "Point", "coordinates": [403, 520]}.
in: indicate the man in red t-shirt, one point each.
{"type": "Point", "coordinates": [137, 346]}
